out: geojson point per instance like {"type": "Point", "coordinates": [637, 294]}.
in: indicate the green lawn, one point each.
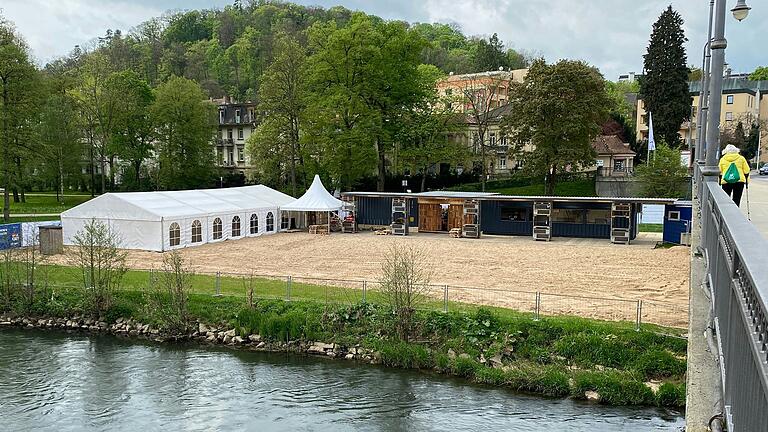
{"type": "Point", "coordinates": [655, 228]}
{"type": "Point", "coordinates": [584, 188]}
{"type": "Point", "coordinates": [45, 202]}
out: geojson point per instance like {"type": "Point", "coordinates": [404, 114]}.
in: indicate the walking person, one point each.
{"type": "Point", "coordinates": [734, 173]}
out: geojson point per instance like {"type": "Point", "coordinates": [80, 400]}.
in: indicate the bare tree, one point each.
{"type": "Point", "coordinates": [22, 279]}
{"type": "Point", "coordinates": [481, 93]}
{"type": "Point", "coordinates": [101, 261]}
{"type": "Point", "coordinates": [405, 282]}
{"type": "Point", "coordinates": [169, 299]}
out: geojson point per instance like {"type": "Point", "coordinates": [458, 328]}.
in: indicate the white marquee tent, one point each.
{"type": "Point", "coordinates": [161, 221]}
{"type": "Point", "coordinates": [316, 198]}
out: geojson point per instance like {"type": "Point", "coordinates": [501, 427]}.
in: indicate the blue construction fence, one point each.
{"type": "Point", "coordinates": [21, 234]}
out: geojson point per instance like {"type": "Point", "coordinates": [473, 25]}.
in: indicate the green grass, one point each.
{"type": "Point", "coordinates": [654, 228]}
{"type": "Point", "coordinates": [569, 188]}
{"type": "Point", "coordinates": [45, 202]}
{"type": "Point", "coordinates": [555, 356]}
{"type": "Point", "coordinates": [19, 219]}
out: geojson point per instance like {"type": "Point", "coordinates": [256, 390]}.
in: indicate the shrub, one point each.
{"type": "Point", "coordinates": [404, 283]}
{"type": "Point", "coordinates": [465, 367]}
{"type": "Point", "coordinates": [657, 363]}
{"type": "Point", "coordinates": [403, 354]}
{"type": "Point", "coordinates": [591, 349]}
{"type": "Point", "coordinates": [671, 395]}
{"type": "Point", "coordinates": [615, 388]}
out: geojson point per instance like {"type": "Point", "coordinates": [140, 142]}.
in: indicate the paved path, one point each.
{"type": "Point", "coordinates": [758, 202]}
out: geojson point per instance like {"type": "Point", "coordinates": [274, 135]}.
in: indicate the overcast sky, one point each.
{"type": "Point", "coordinates": [610, 34]}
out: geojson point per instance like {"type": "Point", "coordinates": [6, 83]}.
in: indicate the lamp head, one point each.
{"type": "Point", "coordinates": [741, 10]}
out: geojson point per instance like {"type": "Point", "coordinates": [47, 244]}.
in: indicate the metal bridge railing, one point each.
{"type": "Point", "coordinates": [737, 276]}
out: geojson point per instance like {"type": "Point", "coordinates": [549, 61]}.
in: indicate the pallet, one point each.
{"type": "Point", "coordinates": [455, 232]}
{"type": "Point", "coordinates": [318, 229]}
{"type": "Point", "coordinates": [385, 231]}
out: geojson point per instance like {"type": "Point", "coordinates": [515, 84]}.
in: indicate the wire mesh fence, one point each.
{"type": "Point", "coordinates": [446, 298]}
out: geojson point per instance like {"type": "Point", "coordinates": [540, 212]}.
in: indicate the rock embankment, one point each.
{"type": "Point", "coordinates": [204, 334]}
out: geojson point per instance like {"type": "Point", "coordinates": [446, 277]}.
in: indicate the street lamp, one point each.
{"type": "Point", "coordinates": [741, 10]}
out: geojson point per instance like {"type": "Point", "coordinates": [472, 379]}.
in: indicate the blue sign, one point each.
{"type": "Point", "coordinates": [10, 236]}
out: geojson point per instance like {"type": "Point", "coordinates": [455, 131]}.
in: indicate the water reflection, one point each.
{"type": "Point", "coordinates": [52, 381]}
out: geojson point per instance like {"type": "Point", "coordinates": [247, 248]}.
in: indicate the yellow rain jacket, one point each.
{"type": "Point", "coordinates": [741, 165]}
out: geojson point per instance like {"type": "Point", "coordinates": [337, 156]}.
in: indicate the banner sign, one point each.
{"type": "Point", "coordinates": [10, 236]}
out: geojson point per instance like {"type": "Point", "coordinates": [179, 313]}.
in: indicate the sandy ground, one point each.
{"type": "Point", "coordinates": [588, 277]}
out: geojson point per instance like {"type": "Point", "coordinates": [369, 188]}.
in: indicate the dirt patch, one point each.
{"type": "Point", "coordinates": [587, 277]}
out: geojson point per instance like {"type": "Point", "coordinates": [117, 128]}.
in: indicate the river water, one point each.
{"type": "Point", "coordinates": [53, 381]}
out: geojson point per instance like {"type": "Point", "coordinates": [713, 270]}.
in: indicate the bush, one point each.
{"type": "Point", "coordinates": [614, 388]}
{"type": "Point", "coordinates": [405, 355]}
{"type": "Point", "coordinates": [657, 363]}
{"type": "Point", "coordinates": [671, 395]}
{"type": "Point", "coordinates": [591, 349]}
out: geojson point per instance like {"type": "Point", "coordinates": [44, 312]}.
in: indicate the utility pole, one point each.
{"type": "Point", "coordinates": [701, 116]}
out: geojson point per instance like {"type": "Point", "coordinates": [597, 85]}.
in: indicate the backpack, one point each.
{"type": "Point", "coordinates": [732, 174]}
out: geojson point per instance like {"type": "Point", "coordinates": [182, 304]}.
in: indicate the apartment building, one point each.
{"type": "Point", "coordinates": [742, 101]}
{"type": "Point", "coordinates": [237, 121]}
{"type": "Point", "coordinates": [479, 91]}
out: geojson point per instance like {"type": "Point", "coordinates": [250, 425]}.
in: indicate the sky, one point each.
{"type": "Point", "coordinates": [610, 34]}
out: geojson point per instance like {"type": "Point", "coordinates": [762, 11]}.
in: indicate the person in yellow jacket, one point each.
{"type": "Point", "coordinates": [734, 172]}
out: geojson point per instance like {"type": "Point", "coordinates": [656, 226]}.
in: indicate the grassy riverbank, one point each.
{"type": "Point", "coordinates": [558, 357]}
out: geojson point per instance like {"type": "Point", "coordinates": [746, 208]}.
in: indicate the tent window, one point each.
{"type": "Point", "coordinates": [284, 221]}
{"type": "Point", "coordinates": [174, 234]}
{"type": "Point", "coordinates": [197, 232]}
{"type": "Point", "coordinates": [254, 224]}
{"type": "Point", "coordinates": [236, 226]}
{"type": "Point", "coordinates": [216, 229]}
{"type": "Point", "coordinates": [270, 222]}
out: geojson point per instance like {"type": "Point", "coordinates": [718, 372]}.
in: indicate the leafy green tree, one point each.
{"type": "Point", "coordinates": [17, 85]}
{"type": "Point", "coordinates": [561, 129]}
{"type": "Point", "coordinates": [185, 125]}
{"type": "Point", "coordinates": [133, 129]}
{"type": "Point", "coordinates": [664, 87]}
{"type": "Point", "coordinates": [760, 74]}
{"type": "Point", "coordinates": [490, 55]}
{"type": "Point", "coordinates": [283, 98]}
{"type": "Point", "coordinates": [664, 176]}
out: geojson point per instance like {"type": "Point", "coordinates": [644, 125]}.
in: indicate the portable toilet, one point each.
{"type": "Point", "coordinates": [677, 222]}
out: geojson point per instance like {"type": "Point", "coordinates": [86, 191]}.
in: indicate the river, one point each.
{"type": "Point", "coordinates": [54, 381]}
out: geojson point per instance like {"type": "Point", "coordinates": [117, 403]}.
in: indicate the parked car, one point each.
{"type": "Point", "coordinates": [763, 170]}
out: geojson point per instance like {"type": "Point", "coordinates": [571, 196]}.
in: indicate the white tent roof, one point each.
{"type": "Point", "coordinates": [316, 198]}
{"type": "Point", "coordinates": [164, 205]}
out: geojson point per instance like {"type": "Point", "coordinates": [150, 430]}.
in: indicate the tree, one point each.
{"type": "Point", "coordinates": [760, 74]}
{"type": "Point", "coordinates": [558, 110]}
{"type": "Point", "coordinates": [664, 87]}
{"type": "Point", "coordinates": [490, 55]}
{"type": "Point", "coordinates": [185, 124]}
{"type": "Point", "coordinates": [664, 176]}
{"type": "Point", "coordinates": [17, 78]}
{"type": "Point", "coordinates": [283, 100]}
{"type": "Point", "coordinates": [405, 284]}
{"type": "Point", "coordinates": [132, 132]}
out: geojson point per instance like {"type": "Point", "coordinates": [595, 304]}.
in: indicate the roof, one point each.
{"type": "Point", "coordinates": [316, 198]}
{"type": "Point", "coordinates": [611, 145]}
{"type": "Point", "coordinates": [491, 196]}
{"type": "Point", "coordinates": [161, 205]}
{"type": "Point", "coordinates": [734, 85]}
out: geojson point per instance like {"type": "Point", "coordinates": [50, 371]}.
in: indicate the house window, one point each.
{"type": "Point", "coordinates": [673, 215]}
{"type": "Point", "coordinates": [237, 116]}
{"type": "Point", "coordinates": [254, 224]}
{"type": "Point", "coordinates": [729, 116]}
{"type": "Point", "coordinates": [514, 214]}
{"type": "Point", "coordinates": [240, 154]}
{"type": "Point", "coordinates": [223, 134]}
{"type": "Point", "coordinates": [502, 162]}
{"type": "Point", "coordinates": [284, 221]}
{"type": "Point", "coordinates": [229, 133]}
{"type": "Point", "coordinates": [174, 234]}
{"type": "Point", "coordinates": [729, 99]}
{"type": "Point", "coordinates": [221, 116]}
{"type": "Point", "coordinates": [216, 229]}
{"type": "Point", "coordinates": [197, 232]}
{"type": "Point", "coordinates": [236, 226]}
{"type": "Point", "coordinates": [493, 139]}
{"type": "Point", "coordinates": [619, 165]}
{"type": "Point", "coordinates": [230, 156]}
{"type": "Point", "coordinates": [239, 133]}
{"type": "Point", "coordinates": [270, 222]}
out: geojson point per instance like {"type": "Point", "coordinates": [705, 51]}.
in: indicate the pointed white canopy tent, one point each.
{"type": "Point", "coordinates": [162, 221]}
{"type": "Point", "coordinates": [315, 199]}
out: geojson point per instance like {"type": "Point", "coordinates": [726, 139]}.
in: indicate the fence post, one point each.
{"type": "Point", "coordinates": [365, 286]}
{"type": "Point", "coordinates": [639, 320]}
{"type": "Point", "coordinates": [288, 282]}
{"type": "Point", "coordinates": [218, 284]}
{"type": "Point", "coordinates": [445, 298]}
{"type": "Point", "coordinates": [537, 307]}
